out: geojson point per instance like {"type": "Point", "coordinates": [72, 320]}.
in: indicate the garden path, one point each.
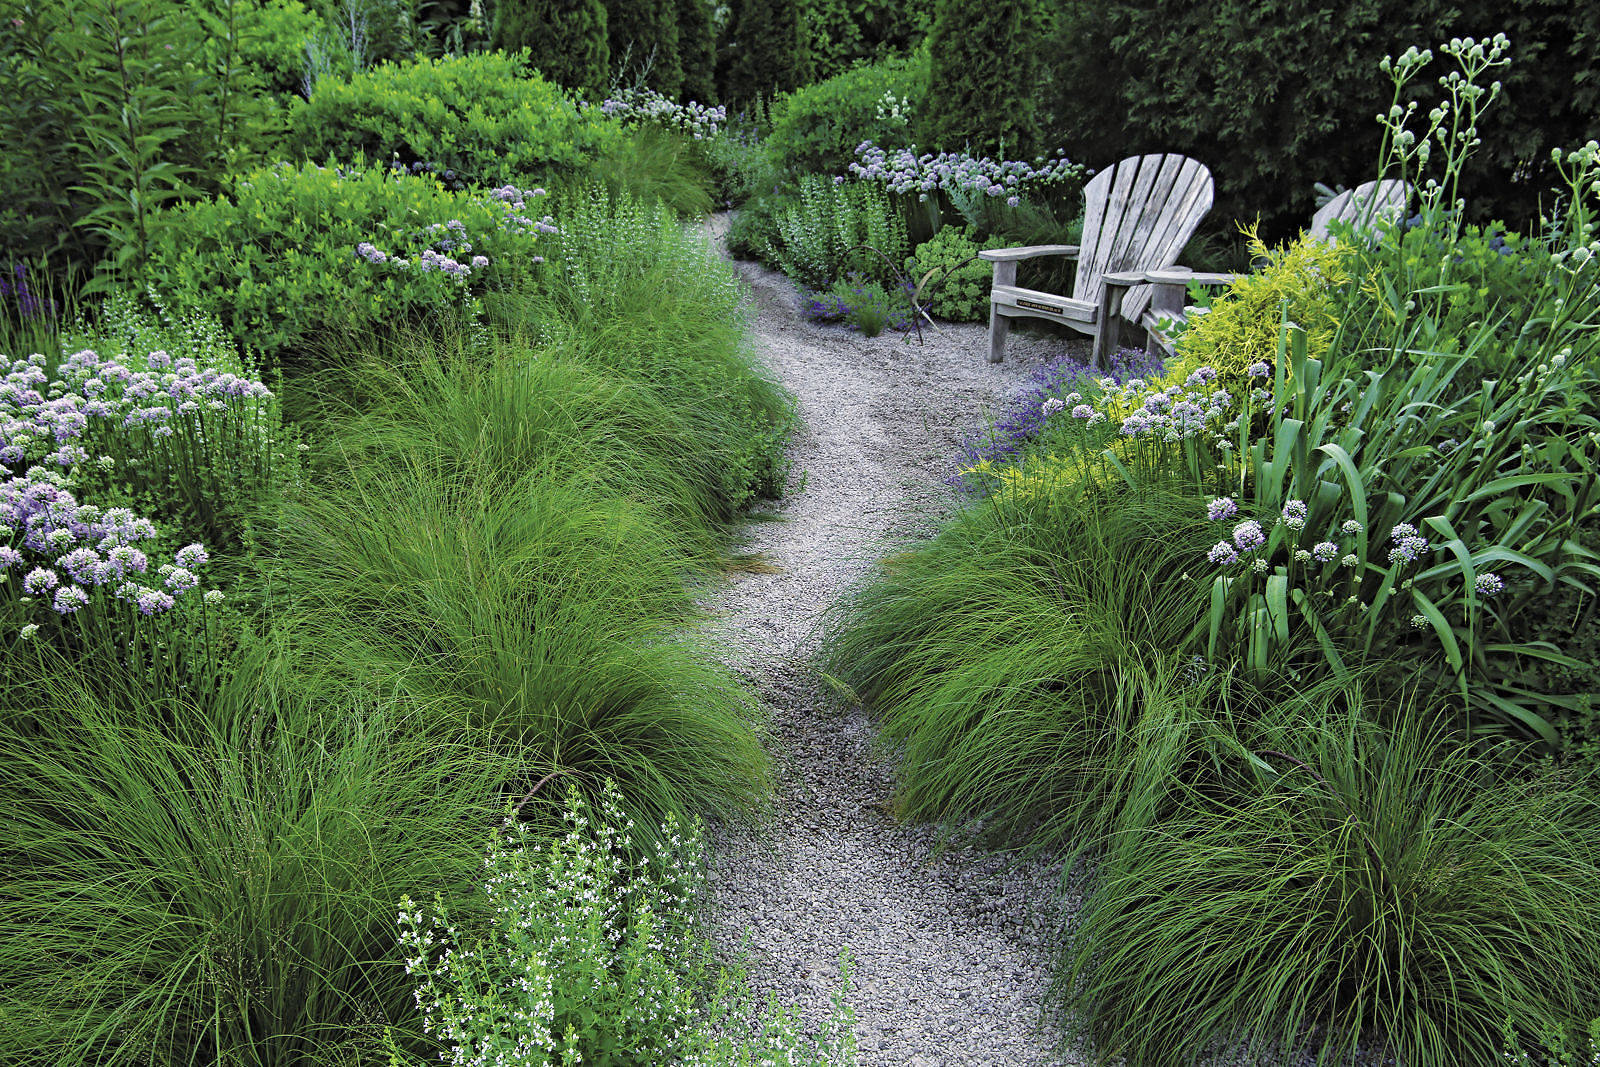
{"type": "Point", "coordinates": [949, 950]}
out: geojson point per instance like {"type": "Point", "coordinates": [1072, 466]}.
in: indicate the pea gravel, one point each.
{"type": "Point", "coordinates": [949, 949]}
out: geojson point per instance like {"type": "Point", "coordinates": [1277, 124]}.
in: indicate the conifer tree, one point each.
{"type": "Point", "coordinates": [644, 40]}
{"type": "Point", "coordinates": [768, 52]}
{"type": "Point", "coordinates": [985, 68]}
{"type": "Point", "coordinates": [697, 51]}
{"type": "Point", "coordinates": [566, 39]}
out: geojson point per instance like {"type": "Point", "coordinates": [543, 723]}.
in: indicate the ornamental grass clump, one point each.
{"type": "Point", "coordinates": [1344, 884]}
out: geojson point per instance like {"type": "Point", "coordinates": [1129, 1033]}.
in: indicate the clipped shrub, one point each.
{"type": "Point", "coordinates": [566, 40]}
{"type": "Point", "coordinates": [766, 53]}
{"type": "Point", "coordinates": [984, 66]}
{"type": "Point", "coordinates": [1350, 887]}
{"type": "Point", "coordinates": [484, 118]}
{"type": "Point", "coordinates": [697, 51]}
{"type": "Point", "coordinates": [816, 129]}
{"type": "Point", "coordinates": [291, 252]}
{"type": "Point", "coordinates": [643, 37]}
{"type": "Point", "coordinates": [952, 281]}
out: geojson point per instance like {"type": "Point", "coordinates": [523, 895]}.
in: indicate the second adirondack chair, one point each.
{"type": "Point", "coordinates": [1137, 217]}
{"type": "Point", "coordinates": [1361, 207]}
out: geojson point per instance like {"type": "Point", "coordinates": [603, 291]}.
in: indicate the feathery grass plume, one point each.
{"type": "Point", "coordinates": [1346, 884]}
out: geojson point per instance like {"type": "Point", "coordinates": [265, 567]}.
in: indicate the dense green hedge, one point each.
{"type": "Point", "coordinates": [1275, 98]}
{"type": "Point", "coordinates": [985, 63]}
{"type": "Point", "coordinates": [486, 116]}
{"type": "Point", "coordinates": [566, 39]}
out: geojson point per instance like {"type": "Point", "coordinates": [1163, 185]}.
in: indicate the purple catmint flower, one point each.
{"type": "Point", "coordinates": [1249, 536]}
{"type": "Point", "coordinates": [1220, 508]}
{"type": "Point", "coordinates": [1223, 553]}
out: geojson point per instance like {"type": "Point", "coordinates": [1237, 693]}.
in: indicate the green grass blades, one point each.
{"type": "Point", "coordinates": [1347, 884]}
{"type": "Point", "coordinates": [1010, 652]}
{"type": "Point", "coordinates": [544, 608]}
{"type": "Point", "coordinates": [202, 885]}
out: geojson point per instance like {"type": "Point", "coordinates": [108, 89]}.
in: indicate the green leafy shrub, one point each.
{"type": "Point", "coordinates": [815, 130]}
{"type": "Point", "coordinates": [485, 117]}
{"type": "Point", "coordinates": [950, 278]}
{"type": "Point", "coordinates": [1350, 884]}
{"type": "Point", "coordinates": [984, 63]}
{"type": "Point", "coordinates": [565, 40]}
{"type": "Point", "coordinates": [290, 253]}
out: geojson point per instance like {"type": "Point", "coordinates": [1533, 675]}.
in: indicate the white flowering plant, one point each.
{"type": "Point", "coordinates": [593, 954]}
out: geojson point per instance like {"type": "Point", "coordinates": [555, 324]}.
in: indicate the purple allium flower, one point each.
{"type": "Point", "coordinates": [153, 601]}
{"type": "Point", "coordinates": [1403, 531]}
{"type": "Point", "coordinates": [1223, 553]}
{"type": "Point", "coordinates": [9, 557]}
{"type": "Point", "coordinates": [1350, 560]}
{"type": "Point", "coordinates": [1488, 583]}
{"type": "Point", "coordinates": [192, 556]}
{"type": "Point", "coordinates": [1302, 555]}
{"type": "Point", "coordinates": [1409, 550]}
{"type": "Point", "coordinates": [40, 580]}
{"type": "Point", "coordinates": [178, 579]}
{"type": "Point", "coordinates": [479, 262]}
{"type": "Point", "coordinates": [1324, 551]}
{"type": "Point", "coordinates": [1201, 376]}
{"type": "Point", "coordinates": [1051, 406]}
{"type": "Point", "coordinates": [1294, 514]}
{"type": "Point", "coordinates": [1259, 370]}
{"type": "Point", "coordinates": [1012, 201]}
{"type": "Point", "coordinates": [1249, 536]}
{"type": "Point", "coordinates": [69, 598]}
{"type": "Point", "coordinates": [1083, 411]}
{"type": "Point", "coordinates": [1220, 508]}
{"type": "Point", "coordinates": [1350, 527]}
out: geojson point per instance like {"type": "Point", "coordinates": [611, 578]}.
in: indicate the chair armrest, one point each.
{"type": "Point", "coordinates": [1183, 276]}
{"type": "Point", "coordinates": [1011, 255]}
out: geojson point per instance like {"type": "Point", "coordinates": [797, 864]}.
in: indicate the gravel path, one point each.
{"type": "Point", "coordinates": [949, 949]}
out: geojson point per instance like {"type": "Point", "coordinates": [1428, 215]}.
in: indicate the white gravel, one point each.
{"type": "Point", "coordinates": [950, 949]}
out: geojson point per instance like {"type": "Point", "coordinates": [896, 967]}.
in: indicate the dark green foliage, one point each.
{"type": "Point", "coordinates": [121, 106]}
{"type": "Point", "coordinates": [697, 52]}
{"type": "Point", "coordinates": [985, 67]}
{"type": "Point", "coordinates": [843, 33]}
{"type": "Point", "coordinates": [1275, 98]}
{"type": "Point", "coordinates": [815, 129]}
{"type": "Point", "coordinates": [644, 45]}
{"type": "Point", "coordinates": [566, 40]}
{"type": "Point", "coordinates": [767, 52]}
{"type": "Point", "coordinates": [485, 117]}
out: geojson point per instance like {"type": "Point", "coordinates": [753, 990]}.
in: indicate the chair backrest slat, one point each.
{"type": "Point", "coordinates": [1138, 215]}
{"type": "Point", "coordinates": [1362, 205]}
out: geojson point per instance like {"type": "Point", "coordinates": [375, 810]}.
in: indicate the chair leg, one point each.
{"type": "Point", "coordinates": [998, 325]}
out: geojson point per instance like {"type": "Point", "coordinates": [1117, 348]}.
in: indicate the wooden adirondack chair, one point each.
{"type": "Point", "coordinates": [1138, 215]}
{"type": "Point", "coordinates": [1360, 206]}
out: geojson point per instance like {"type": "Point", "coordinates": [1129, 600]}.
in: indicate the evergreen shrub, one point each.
{"type": "Point", "coordinates": [566, 40]}
{"type": "Point", "coordinates": [984, 72]}
{"type": "Point", "coordinates": [643, 38]}
{"type": "Point", "coordinates": [766, 53]}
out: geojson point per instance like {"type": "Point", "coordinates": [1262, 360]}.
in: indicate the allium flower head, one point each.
{"type": "Point", "coordinates": [1350, 560]}
{"type": "Point", "coordinates": [40, 580]}
{"type": "Point", "coordinates": [1419, 622]}
{"type": "Point", "coordinates": [1220, 508]}
{"type": "Point", "coordinates": [1223, 552]}
{"type": "Point", "coordinates": [1294, 514]}
{"type": "Point", "coordinates": [1350, 527]}
{"type": "Point", "coordinates": [69, 598]}
{"type": "Point", "coordinates": [1488, 583]}
{"type": "Point", "coordinates": [1403, 531]}
{"type": "Point", "coordinates": [191, 556]}
{"type": "Point", "coordinates": [1249, 536]}
{"type": "Point", "coordinates": [1259, 370]}
{"type": "Point", "coordinates": [1084, 411]}
{"type": "Point", "coordinates": [1324, 551]}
